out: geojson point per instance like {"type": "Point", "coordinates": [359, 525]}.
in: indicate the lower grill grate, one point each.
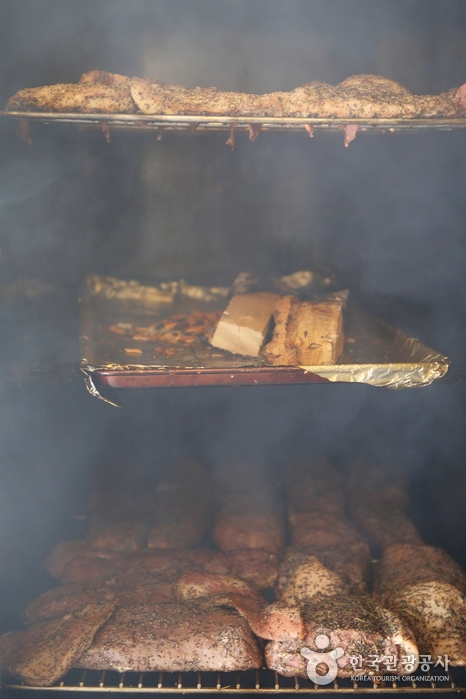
{"type": "Point", "coordinates": [249, 682]}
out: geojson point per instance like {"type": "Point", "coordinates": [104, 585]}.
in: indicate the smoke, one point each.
{"type": "Point", "coordinates": [387, 214]}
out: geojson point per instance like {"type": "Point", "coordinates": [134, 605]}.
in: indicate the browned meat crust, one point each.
{"type": "Point", "coordinates": [318, 524]}
{"type": "Point", "coordinates": [425, 586]}
{"type": "Point", "coordinates": [257, 566]}
{"type": "Point", "coordinates": [44, 652]}
{"type": "Point", "coordinates": [249, 514]}
{"type": "Point", "coordinates": [65, 599]}
{"type": "Point", "coordinates": [104, 78]}
{"type": "Point", "coordinates": [436, 612]}
{"type": "Point", "coordinates": [181, 513]}
{"type": "Point", "coordinates": [74, 562]}
{"type": "Point", "coordinates": [73, 598]}
{"type": "Point", "coordinates": [403, 565]}
{"type": "Point", "coordinates": [350, 621]}
{"type": "Point", "coordinates": [357, 97]}
{"type": "Point", "coordinates": [97, 92]}
{"type": "Point", "coordinates": [379, 506]}
{"type": "Point", "coordinates": [119, 509]}
{"type": "Point", "coordinates": [153, 98]}
{"type": "Point", "coordinates": [174, 637]}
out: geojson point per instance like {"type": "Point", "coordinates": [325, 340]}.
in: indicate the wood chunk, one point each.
{"type": "Point", "coordinates": [243, 326]}
{"type": "Point", "coordinates": [306, 333]}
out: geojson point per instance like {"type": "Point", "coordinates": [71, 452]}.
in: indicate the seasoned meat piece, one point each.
{"type": "Point", "coordinates": [460, 99]}
{"type": "Point", "coordinates": [351, 622]}
{"type": "Point", "coordinates": [44, 652]}
{"type": "Point", "coordinates": [443, 105]}
{"type": "Point", "coordinates": [274, 622]}
{"type": "Point", "coordinates": [301, 576]}
{"type": "Point", "coordinates": [62, 554]}
{"type": "Point", "coordinates": [96, 567]}
{"type": "Point", "coordinates": [75, 562]}
{"type": "Point", "coordinates": [368, 96]}
{"type": "Point", "coordinates": [313, 99]}
{"type": "Point", "coordinates": [318, 523]}
{"type": "Point", "coordinates": [36, 99]}
{"type": "Point", "coordinates": [351, 562]}
{"type": "Point", "coordinates": [195, 585]}
{"type": "Point", "coordinates": [78, 97]}
{"type": "Point", "coordinates": [149, 593]}
{"type": "Point", "coordinates": [119, 508]}
{"type": "Point", "coordinates": [174, 637]}
{"type": "Point", "coordinates": [312, 483]}
{"type": "Point", "coordinates": [72, 598]}
{"type": "Point", "coordinates": [427, 588]}
{"type": "Point", "coordinates": [254, 565]}
{"type": "Point", "coordinates": [104, 78]}
{"type": "Point", "coordinates": [404, 565]}
{"type": "Point", "coordinates": [152, 97]}
{"type": "Point", "coordinates": [360, 96]}
{"type": "Point", "coordinates": [249, 514]}
{"type": "Point", "coordinates": [436, 611]}
{"type": "Point", "coordinates": [237, 528]}
{"type": "Point", "coordinates": [379, 505]}
{"type": "Point", "coordinates": [356, 625]}
{"type": "Point", "coordinates": [182, 506]}
{"type": "Point", "coordinates": [119, 536]}
{"type": "Point", "coordinates": [65, 599]}
{"type": "Point", "coordinates": [279, 622]}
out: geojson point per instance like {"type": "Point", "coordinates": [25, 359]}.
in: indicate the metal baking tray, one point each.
{"type": "Point", "coordinates": [224, 123]}
{"type": "Point", "coordinates": [374, 353]}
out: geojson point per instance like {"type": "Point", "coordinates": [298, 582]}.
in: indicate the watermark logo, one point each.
{"type": "Point", "coordinates": [327, 659]}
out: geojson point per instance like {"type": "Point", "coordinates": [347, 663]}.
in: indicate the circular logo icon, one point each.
{"type": "Point", "coordinates": [327, 659]}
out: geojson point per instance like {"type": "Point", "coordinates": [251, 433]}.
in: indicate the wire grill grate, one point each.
{"type": "Point", "coordinates": [224, 123]}
{"type": "Point", "coordinates": [248, 682]}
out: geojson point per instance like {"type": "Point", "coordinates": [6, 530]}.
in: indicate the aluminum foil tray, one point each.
{"type": "Point", "coordinates": [374, 353]}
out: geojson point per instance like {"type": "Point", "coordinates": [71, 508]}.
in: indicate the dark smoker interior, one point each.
{"type": "Point", "coordinates": [386, 214]}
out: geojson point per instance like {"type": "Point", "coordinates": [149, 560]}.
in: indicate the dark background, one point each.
{"type": "Point", "coordinates": [388, 214]}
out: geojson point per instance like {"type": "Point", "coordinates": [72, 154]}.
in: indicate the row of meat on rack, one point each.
{"type": "Point", "coordinates": [165, 581]}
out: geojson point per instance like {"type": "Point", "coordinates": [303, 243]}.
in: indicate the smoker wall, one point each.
{"type": "Point", "coordinates": [388, 214]}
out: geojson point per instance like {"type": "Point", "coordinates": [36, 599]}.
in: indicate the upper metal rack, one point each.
{"type": "Point", "coordinates": [224, 123]}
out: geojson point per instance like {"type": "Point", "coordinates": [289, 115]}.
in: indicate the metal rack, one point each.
{"type": "Point", "coordinates": [247, 682]}
{"type": "Point", "coordinates": [224, 123]}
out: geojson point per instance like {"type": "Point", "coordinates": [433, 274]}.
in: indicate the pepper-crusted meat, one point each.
{"type": "Point", "coordinates": [45, 651]}
{"type": "Point", "coordinates": [152, 97]}
{"type": "Point", "coordinates": [318, 523]}
{"type": "Point", "coordinates": [62, 600]}
{"type": "Point", "coordinates": [352, 622]}
{"type": "Point", "coordinates": [174, 637]}
{"type": "Point", "coordinates": [357, 97]}
{"type": "Point", "coordinates": [86, 97]}
{"type": "Point", "coordinates": [425, 586]}
{"type": "Point", "coordinates": [181, 513]}
{"type": "Point", "coordinates": [72, 598]}
{"type": "Point", "coordinates": [119, 508]}
{"type": "Point", "coordinates": [379, 506]}
{"type": "Point", "coordinates": [437, 614]}
{"type": "Point", "coordinates": [249, 514]}
{"type": "Point", "coordinates": [76, 562]}
{"type": "Point", "coordinates": [403, 565]}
